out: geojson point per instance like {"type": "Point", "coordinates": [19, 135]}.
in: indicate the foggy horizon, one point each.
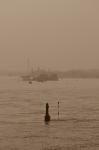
{"type": "Point", "coordinates": [53, 35]}
{"type": "Point", "coordinates": [49, 75]}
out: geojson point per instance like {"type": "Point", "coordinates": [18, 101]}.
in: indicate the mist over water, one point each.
{"type": "Point", "coordinates": [56, 36]}
{"type": "Point", "coordinates": [22, 110]}
{"type": "Point", "coordinates": [52, 34]}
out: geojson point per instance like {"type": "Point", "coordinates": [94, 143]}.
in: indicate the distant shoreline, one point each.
{"type": "Point", "coordinates": [70, 74]}
{"type": "Point", "coordinates": [84, 74]}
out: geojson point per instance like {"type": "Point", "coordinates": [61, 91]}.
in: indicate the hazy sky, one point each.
{"type": "Point", "coordinates": [54, 34]}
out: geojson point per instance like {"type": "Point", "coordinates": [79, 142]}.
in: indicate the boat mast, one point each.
{"type": "Point", "coordinates": [28, 65]}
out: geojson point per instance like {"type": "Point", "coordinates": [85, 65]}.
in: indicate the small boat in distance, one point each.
{"type": "Point", "coordinates": [30, 82]}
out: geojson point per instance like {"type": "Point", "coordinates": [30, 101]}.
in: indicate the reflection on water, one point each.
{"type": "Point", "coordinates": [22, 110]}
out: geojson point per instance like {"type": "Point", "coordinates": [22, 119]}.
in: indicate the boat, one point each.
{"type": "Point", "coordinates": [43, 77]}
{"type": "Point", "coordinates": [40, 76]}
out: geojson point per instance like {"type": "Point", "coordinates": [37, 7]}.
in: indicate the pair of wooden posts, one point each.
{"type": "Point", "coordinates": [47, 116]}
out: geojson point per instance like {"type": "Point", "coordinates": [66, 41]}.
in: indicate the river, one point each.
{"type": "Point", "coordinates": [22, 110]}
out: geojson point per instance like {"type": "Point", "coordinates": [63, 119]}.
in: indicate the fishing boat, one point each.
{"type": "Point", "coordinates": [41, 76]}
{"type": "Point", "coordinates": [46, 77]}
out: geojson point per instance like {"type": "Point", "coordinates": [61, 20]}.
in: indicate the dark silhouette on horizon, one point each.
{"type": "Point", "coordinates": [47, 116]}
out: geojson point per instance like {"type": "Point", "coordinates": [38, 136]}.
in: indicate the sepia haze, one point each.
{"type": "Point", "coordinates": [57, 35]}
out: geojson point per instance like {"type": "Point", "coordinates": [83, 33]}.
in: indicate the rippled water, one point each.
{"type": "Point", "coordinates": [22, 109]}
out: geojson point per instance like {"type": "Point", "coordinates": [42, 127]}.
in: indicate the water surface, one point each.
{"type": "Point", "coordinates": [22, 110]}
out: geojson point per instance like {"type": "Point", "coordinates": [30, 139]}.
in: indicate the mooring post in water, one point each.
{"type": "Point", "coordinates": [47, 116]}
{"type": "Point", "coordinates": [58, 110]}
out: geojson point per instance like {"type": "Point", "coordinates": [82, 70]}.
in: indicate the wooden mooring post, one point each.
{"type": "Point", "coordinates": [47, 116]}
